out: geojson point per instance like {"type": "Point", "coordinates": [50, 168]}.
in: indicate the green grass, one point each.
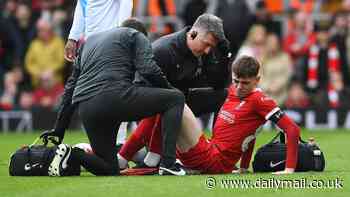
{"type": "Point", "coordinates": [335, 145]}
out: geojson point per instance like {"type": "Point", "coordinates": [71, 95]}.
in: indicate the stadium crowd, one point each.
{"type": "Point", "coordinates": [302, 45]}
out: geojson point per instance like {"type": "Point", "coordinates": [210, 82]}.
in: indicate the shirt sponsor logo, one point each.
{"type": "Point", "coordinates": [227, 116]}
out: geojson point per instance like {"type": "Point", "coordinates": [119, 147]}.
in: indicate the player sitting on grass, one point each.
{"type": "Point", "coordinates": [244, 111]}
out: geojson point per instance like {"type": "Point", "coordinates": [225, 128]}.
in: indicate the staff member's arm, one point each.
{"type": "Point", "coordinates": [125, 11]}
{"type": "Point", "coordinates": [145, 64]}
{"type": "Point", "coordinates": [76, 32]}
{"type": "Point", "coordinates": [66, 108]}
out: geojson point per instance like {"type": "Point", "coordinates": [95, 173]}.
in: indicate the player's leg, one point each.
{"type": "Point", "coordinates": [154, 145]}
{"type": "Point", "coordinates": [122, 133]}
{"type": "Point", "coordinates": [189, 135]}
{"type": "Point", "coordinates": [137, 140]}
{"type": "Point", "coordinates": [143, 102]}
{"type": "Point", "coordinates": [190, 131]}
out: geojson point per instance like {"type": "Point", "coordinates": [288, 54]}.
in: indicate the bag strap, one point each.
{"type": "Point", "coordinates": [274, 139]}
{"type": "Point", "coordinates": [44, 141]}
{"type": "Point", "coordinates": [282, 138]}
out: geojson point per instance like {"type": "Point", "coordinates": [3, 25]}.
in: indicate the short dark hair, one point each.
{"type": "Point", "coordinates": [135, 24]}
{"type": "Point", "coordinates": [246, 67]}
{"type": "Point", "coordinates": [210, 23]}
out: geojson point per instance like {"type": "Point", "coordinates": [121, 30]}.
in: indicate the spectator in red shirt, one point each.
{"type": "Point", "coordinates": [299, 38]}
{"type": "Point", "coordinates": [48, 92]}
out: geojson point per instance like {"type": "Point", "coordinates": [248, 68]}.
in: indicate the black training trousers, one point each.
{"type": "Point", "coordinates": [102, 115]}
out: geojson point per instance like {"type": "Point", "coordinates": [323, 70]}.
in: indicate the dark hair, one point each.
{"type": "Point", "coordinates": [135, 24]}
{"type": "Point", "coordinates": [246, 67]}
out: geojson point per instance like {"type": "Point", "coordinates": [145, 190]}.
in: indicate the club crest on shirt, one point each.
{"type": "Point", "coordinates": [240, 105]}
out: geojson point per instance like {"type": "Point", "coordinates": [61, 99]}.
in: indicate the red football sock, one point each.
{"type": "Point", "coordinates": [155, 144]}
{"type": "Point", "coordinates": [139, 138]}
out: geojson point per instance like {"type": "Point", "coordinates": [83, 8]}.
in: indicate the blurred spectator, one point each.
{"type": "Point", "coordinates": [322, 58]}
{"type": "Point", "coordinates": [255, 43]}
{"type": "Point", "coordinates": [48, 91]}
{"type": "Point", "coordinates": [264, 17]}
{"type": "Point", "coordinates": [60, 23]}
{"type": "Point", "coordinates": [46, 9]}
{"type": "Point", "coordinates": [297, 98]}
{"type": "Point", "coordinates": [191, 10]}
{"type": "Point", "coordinates": [323, 70]}
{"type": "Point", "coordinates": [335, 96]}
{"type": "Point", "coordinates": [299, 38]}
{"type": "Point", "coordinates": [340, 35]}
{"type": "Point", "coordinates": [45, 54]}
{"type": "Point", "coordinates": [10, 92]}
{"type": "Point", "coordinates": [8, 50]}
{"type": "Point", "coordinates": [25, 100]}
{"type": "Point", "coordinates": [24, 29]}
{"type": "Point", "coordinates": [275, 70]}
{"type": "Point", "coordinates": [237, 21]}
{"type": "Point", "coordinates": [9, 9]}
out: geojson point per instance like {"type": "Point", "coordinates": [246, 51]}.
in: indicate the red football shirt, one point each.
{"type": "Point", "coordinates": [238, 121]}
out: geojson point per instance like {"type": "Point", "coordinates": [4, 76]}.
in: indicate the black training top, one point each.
{"type": "Point", "coordinates": [109, 61]}
{"type": "Point", "coordinates": [184, 70]}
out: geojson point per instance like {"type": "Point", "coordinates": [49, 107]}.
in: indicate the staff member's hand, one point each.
{"type": "Point", "coordinates": [52, 135]}
{"type": "Point", "coordinates": [70, 50]}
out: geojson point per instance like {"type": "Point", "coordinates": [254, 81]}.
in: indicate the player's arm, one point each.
{"type": "Point", "coordinates": [292, 131]}
{"type": "Point", "coordinates": [145, 64]}
{"type": "Point", "coordinates": [246, 157]}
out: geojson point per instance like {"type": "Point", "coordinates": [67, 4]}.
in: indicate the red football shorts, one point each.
{"type": "Point", "coordinates": [205, 157]}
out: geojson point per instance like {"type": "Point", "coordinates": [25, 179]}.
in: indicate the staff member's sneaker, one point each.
{"type": "Point", "coordinates": [175, 169]}
{"type": "Point", "coordinates": [59, 162]}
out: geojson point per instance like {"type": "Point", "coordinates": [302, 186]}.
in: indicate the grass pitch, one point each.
{"type": "Point", "coordinates": [334, 181]}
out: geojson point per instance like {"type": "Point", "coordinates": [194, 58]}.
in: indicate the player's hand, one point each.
{"type": "Point", "coordinates": [285, 171]}
{"type": "Point", "coordinates": [52, 135]}
{"type": "Point", "coordinates": [70, 50]}
{"type": "Point", "coordinates": [241, 171]}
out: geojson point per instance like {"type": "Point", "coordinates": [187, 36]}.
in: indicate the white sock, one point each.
{"type": "Point", "coordinates": [123, 163]}
{"type": "Point", "coordinates": [122, 132]}
{"type": "Point", "coordinates": [140, 155]}
{"type": "Point", "coordinates": [152, 159]}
